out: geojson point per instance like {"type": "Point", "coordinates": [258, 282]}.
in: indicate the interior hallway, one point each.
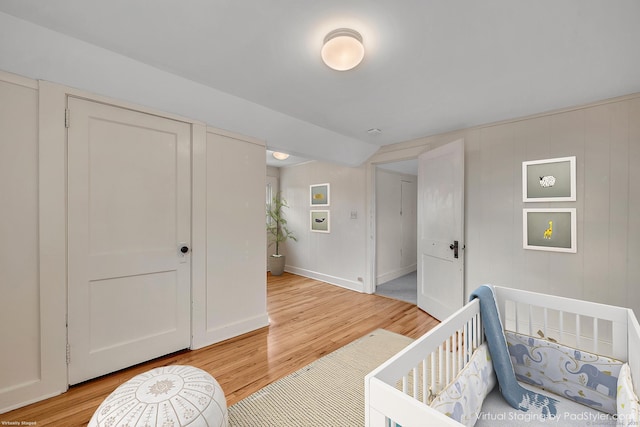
{"type": "Point", "coordinates": [404, 288]}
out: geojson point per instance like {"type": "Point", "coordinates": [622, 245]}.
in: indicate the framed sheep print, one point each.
{"type": "Point", "coordinates": [319, 221]}
{"type": "Point", "coordinates": [319, 194]}
{"type": "Point", "coordinates": [549, 229]}
{"type": "Point", "coordinates": [549, 180]}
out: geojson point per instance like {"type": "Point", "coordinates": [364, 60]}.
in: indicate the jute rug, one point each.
{"type": "Point", "coordinates": [327, 392]}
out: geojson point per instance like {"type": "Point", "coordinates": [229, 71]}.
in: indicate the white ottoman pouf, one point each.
{"type": "Point", "coordinates": [170, 396]}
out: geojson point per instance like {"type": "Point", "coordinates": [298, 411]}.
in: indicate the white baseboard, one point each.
{"type": "Point", "coordinates": [385, 277]}
{"type": "Point", "coordinates": [333, 280]}
{"type": "Point", "coordinates": [230, 330]}
{"type": "Point", "coordinates": [11, 405]}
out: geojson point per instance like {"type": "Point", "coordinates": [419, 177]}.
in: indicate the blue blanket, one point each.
{"type": "Point", "coordinates": [517, 396]}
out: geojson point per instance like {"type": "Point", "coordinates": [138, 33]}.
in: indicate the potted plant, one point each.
{"type": "Point", "coordinates": [277, 232]}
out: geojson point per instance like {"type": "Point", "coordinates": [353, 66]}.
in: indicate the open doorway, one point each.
{"type": "Point", "coordinates": [396, 230]}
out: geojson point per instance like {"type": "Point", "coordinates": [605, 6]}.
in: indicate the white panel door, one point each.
{"type": "Point", "coordinates": [128, 220]}
{"type": "Point", "coordinates": [441, 230]}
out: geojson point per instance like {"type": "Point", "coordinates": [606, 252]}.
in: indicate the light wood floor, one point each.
{"type": "Point", "coordinates": [309, 319]}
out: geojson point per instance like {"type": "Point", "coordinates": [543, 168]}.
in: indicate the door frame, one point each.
{"type": "Point", "coordinates": [388, 154]}
{"type": "Point", "coordinates": [52, 210]}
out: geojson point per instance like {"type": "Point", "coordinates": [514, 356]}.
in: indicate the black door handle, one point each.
{"type": "Point", "coordinates": [454, 247]}
{"type": "Point", "coordinates": [184, 249]}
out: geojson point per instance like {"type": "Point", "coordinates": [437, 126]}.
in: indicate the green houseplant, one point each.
{"type": "Point", "coordinates": [277, 232]}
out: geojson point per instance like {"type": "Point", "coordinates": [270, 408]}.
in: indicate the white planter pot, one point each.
{"type": "Point", "coordinates": [276, 264]}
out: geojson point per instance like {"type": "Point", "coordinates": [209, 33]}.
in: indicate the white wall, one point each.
{"type": "Point", "coordinates": [32, 340]}
{"type": "Point", "coordinates": [339, 256]}
{"type": "Point", "coordinates": [605, 138]}
{"type": "Point", "coordinates": [19, 230]}
{"type": "Point", "coordinates": [396, 225]}
{"type": "Point", "coordinates": [228, 239]}
{"type": "Point", "coordinates": [230, 293]}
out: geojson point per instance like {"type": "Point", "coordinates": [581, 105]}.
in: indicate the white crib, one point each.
{"type": "Point", "coordinates": [399, 391]}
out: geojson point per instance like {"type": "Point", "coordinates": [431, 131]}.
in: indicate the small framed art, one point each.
{"type": "Point", "coordinates": [549, 180]}
{"type": "Point", "coordinates": [320, 221]}
{"type": "Point", "coordinates": [319, 194]}
{"type": "Point", "coordinates": [549, 229]}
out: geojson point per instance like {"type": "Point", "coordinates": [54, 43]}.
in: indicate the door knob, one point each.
{"type": "Point", "coordinates": [184, 249]}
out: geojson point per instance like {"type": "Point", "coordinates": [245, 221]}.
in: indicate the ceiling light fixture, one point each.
{"type": "Point", "coordinates": [280, 156]}
{"type": "Point", "coordinates": [342, 49]}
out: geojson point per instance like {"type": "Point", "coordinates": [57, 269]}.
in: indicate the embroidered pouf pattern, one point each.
{"type": "Point", "coordinates": [173, 395]}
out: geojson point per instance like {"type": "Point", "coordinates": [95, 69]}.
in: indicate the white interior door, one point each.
{"type": "Point", "coordinates": [441, 229]}
{"type": "Point", "coordinates": [128, 219]}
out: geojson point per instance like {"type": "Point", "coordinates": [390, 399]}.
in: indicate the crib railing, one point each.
{"type": "Point", "coordinates": [409, 381]}
{"type": "Point", "coordinates": [583, 325]}
{"type": "Point", "coordinates": [400, 390]}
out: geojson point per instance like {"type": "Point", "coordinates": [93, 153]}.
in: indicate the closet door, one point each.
{"type": "Point", "coordinates": [128, 238]}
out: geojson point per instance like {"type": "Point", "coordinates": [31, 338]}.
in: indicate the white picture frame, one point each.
{"type": "Point", "coordinates": [319, 194]}
{"type": "Point", "coordinates": [550, 229]}
{"type": "Point", "coordinates": [549, 180]}
{"type": "Point", "coordinates": [320, 221]}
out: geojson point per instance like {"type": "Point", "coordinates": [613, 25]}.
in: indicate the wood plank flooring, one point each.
{"type": "Point", "coordinates": [308, 319]}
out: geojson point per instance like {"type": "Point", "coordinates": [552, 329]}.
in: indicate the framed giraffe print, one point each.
{"type": "Point", "coordinates": [549, 229]}
{"type": "Point", "coordinates": [549, 180]}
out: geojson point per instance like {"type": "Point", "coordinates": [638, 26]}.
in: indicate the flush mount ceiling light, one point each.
{"type": "Point", "coordinates": [280, 156]}
{"type": "Point", "coordinates": [342, 49]}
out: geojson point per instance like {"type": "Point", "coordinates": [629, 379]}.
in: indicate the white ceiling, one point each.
{"type": "Point", "coordinates": [431, 65]}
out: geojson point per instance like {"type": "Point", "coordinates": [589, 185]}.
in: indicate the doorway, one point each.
{"type": "Point", "coordinates": [396, 230]}
{"type": "Point", "coordinates": [440, 218]}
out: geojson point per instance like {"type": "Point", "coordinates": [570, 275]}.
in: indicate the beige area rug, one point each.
{"type": "Point", "coordinates": [327, 392]}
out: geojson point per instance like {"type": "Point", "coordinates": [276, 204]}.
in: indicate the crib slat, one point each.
{"type": "Point", "coordinates": [447, 360]}
{"type": "Point", "coordinates": [440, 369]}
{"type": "Point", "coordinates": [561, 326]}
{"type": "Point", "coordinates": [454, 355]}
{"type": "Point", "coordinates": [530, 320]}
{"type": "Point", "coordinates": [466, 347]}
{"type": "Point", "coordinates": [433, 373]}
{"type": "Point", "coordinates": [460, 350]}
{"type": "Point", "coordinates": [425, 388]}
{"type": "Point", "coordinates": [544, 326]}
{"type": "Point", "coordinates": [595, 335]}
{"type": "Point", "coordinates": [415, 382]}
{"type": "Point", "coordinates": [578, 331]}
{"type": "Point", "coordinates": [474, 333]}
{"type": "Point", "coordinates": [478, 332]}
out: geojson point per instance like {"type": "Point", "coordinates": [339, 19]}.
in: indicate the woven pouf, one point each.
{"type": "Point", "coordinates": [168, 396]}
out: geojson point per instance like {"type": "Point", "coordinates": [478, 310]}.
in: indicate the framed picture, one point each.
{"type": "Point", "coordinates": [549, 229]}
{"type": "Point", "coordinates": [319, 194]}
{"type": "Point", "coordinates": [549, 180]}
{"type": "Point", "coordinates": [319, 221]}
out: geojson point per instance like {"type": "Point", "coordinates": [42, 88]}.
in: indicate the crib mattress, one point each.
{"type": "Point", "coordinates": [496, 412]}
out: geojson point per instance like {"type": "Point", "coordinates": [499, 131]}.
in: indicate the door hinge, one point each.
{"type": "Point", "coordinates": [66, 118]}
{"type": "Point", "coordinates": [68, 353]}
